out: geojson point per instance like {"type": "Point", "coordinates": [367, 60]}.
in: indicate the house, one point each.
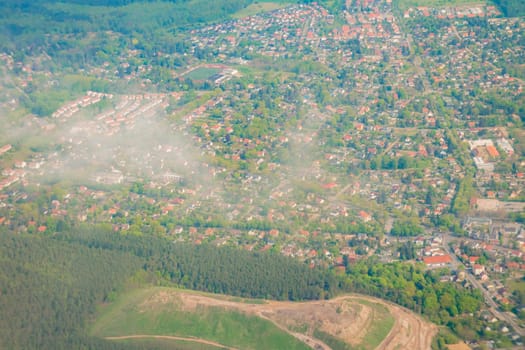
{"type": "Point", "coordinates": [473, 259]}
{"type": "Point", "coordinates": [329, 185]}
{"type": "Point", "coordinates": [365, 216]}
{"type": "Point", "coordinates": [312, 253]}
{"type": "Point", "coordinates": [5, 148]}
{"type": "Point", "coordinates": [419, 242]}
{"type": "Point", "coordinates": [492, 151]}
{"type": "Point", "coordinates": [478, 269]}
{"type": "Point", "coordinates": [437, 260]}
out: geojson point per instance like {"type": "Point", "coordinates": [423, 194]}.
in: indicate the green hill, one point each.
{"type": "Point", "coordinates": [162, 315]}
{"type": "Point", "coordinates": [137, 314]}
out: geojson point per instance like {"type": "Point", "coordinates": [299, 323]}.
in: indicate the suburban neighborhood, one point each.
{"type": "Point", "coordinates": [386, 133]}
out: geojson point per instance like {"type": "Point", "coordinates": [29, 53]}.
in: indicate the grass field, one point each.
{"type": "Point", "coordinates": [202, 73]}
{"type": "Point", "coordinates": [381, 326]}
{"type": "Point", "coordinates": [226, 327]}
{"type": "Point", "coordinates": [405, 4]}
{"type": "Point", "coordinates": [333, 342]}
{"type": "Point", "coordinates": [259, 7]}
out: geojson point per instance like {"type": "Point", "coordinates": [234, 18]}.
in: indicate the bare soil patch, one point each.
{"type": "Point", "coordinates": [347, 318]}
{"type": "Point", "coordinates": [410, 331]}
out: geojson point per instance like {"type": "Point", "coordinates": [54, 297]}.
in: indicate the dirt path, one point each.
{"type": "Point", "coordinates": [168, 337]}
{"type": "Point", "coordinates": [308, 340]}
{"type": "Point", "coordinates": [409, 330]}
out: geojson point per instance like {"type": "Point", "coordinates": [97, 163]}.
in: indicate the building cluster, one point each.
{"type": "Point", "coordinates": [73, 107]}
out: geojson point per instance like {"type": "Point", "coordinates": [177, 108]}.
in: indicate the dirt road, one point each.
{"type": "Point", "coordinates": [195, 340]}
{"type": "Point", "coordinates": [409, 331]}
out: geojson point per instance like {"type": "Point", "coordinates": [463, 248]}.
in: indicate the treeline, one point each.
{"type": "Point", "coordinates": [26, 26]}
{"type": "Point", "coordinates": [464, 192]}
{"type": "Point", "coordinates": [386, 162]}
{"type": "Point", "coordinates": [224, 270]}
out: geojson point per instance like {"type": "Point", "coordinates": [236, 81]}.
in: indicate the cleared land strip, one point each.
{"type": "Point", "coordinates": [169, 337]}
{"type": "Point", "coordinates": [348, 318]}
{"type": "Point", "coordinates": [408, 331]}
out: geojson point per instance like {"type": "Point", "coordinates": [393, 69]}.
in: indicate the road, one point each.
{"type": "Point", "coordinates": [493, 306]}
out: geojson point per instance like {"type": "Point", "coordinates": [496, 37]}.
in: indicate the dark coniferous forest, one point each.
{"type": "Point", "coordinates": [50, 286]}
{"type": "Point", "coordinates": [512, 7]}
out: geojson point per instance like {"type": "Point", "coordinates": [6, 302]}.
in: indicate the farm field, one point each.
{"type": "Point", "coordinates": [163, 315]}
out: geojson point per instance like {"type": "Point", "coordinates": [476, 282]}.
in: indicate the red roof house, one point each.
{"type": "Point", "coordinates": [437, 260]}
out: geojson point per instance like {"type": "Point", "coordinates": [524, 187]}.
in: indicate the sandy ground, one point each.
{"type": "Point", "coordinates": [343, 317]}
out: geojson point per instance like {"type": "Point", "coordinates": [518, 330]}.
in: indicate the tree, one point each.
{"type": "Point", "coordinates": [407, 251]}
{"type": "Point", "coordinates": [406, 227]}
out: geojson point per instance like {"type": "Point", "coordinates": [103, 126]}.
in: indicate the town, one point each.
{"type": "Point", "coordinates": [327, 137]}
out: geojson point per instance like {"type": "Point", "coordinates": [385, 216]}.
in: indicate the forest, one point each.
{"type": "Point", "coordinates": [413, 287]}
{"type": "Point", "coordinates": [48, 289]}
{"type": "Point", "coordinates": [59, 26]}
{"type": "Point", "coordinates": [51, 285]}
{"type": "Point", "coordinates": [224, 270]}
{"type": "Point", "coordinates": [511, 8]}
